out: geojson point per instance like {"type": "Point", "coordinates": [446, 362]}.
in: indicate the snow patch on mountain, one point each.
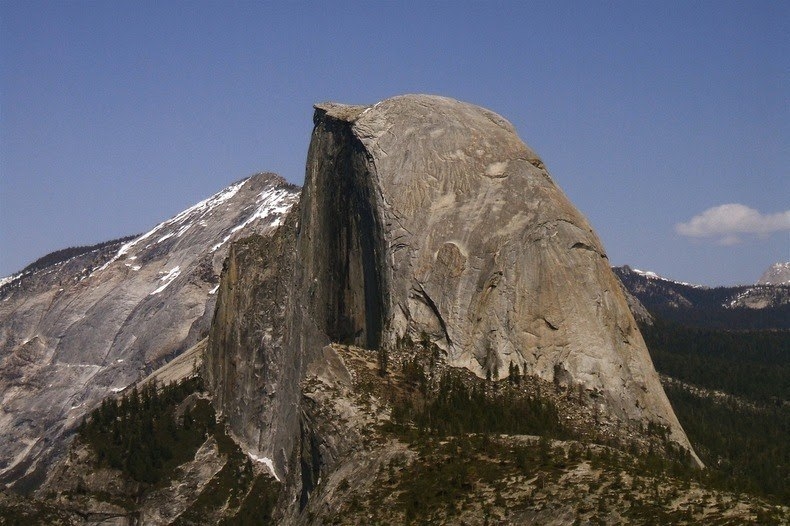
{"type": "Point", "coordinates": [168, 278]}
{"type": "Point", "coordinates": [10, 279]}
{"type": "Point", "coordinates": [776, 274]}
{"type": "Point", "coordinates": [759, 297]}
{"type": "Point", "coordinates": [180, 223]}
{"type": "Point", "coordinates": [267, 462]}
{"type": "Point", "coordinates": [652, 275]}
{"type": "Point", "coordinates": [647, 274]}
{"type": "Point", "coordinates": [737, 300]}
{"type": "Point", "coordinates": [276, 203]}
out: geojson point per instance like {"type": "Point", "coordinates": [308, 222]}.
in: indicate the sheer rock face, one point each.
{"type": "Point", "coordinates": [250, 365]}
{"type": "Point", "coordinates": [76, 331]}
{"type": "Point", "coordinates": [425, 215]}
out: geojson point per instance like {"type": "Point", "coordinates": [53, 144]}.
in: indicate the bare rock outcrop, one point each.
{"type": "Point", "coordinates": [427, 218]}
{"type": "Point", "coordinates": [249, 365]}
{"type": "Point", "coordinates": [429, 215]}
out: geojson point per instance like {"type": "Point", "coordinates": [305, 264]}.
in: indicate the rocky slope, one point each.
{"type": "Point", "coordinates": [403, 469]}
{"type": "Point", "coordinates": [76, 328]}
{"type": "Point", "coordinates": [422, 219]}
{"type": "Point", "coordinates": [378, 460]}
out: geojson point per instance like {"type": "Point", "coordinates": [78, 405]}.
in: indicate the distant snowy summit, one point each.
{"type": "Point", "coordinates": [777, 274]}
{"type": "Point", "coordinates": [652, 275]}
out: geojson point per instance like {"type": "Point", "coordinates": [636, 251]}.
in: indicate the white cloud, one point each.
{"type": "Point", "coordinates": [726, 222]}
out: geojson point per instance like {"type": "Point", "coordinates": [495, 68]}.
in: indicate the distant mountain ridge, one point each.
{"type": "Point", "coordinates": [759, 306]}
{"type": "Point", "coordinates": [64, 255]}
{"type": "Point", "coordinates": [76, 258]}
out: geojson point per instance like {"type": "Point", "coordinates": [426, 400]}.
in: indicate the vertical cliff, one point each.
{"type": "Point", "coordinates": [250, 366]}
{"type": "Point", "coordinates": [341, 244]}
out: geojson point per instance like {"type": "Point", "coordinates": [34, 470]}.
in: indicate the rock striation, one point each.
{"type": "Point", "coordinates": [423, 218]}
{"type": "Point", "coordinates": [248, 365]}
{"type": "Point", "coordinates": [74, 331]}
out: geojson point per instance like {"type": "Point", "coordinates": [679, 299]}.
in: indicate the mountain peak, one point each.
{"type": "Point", "coordinates": [83, 323]}
{"type": "Point", "coordinates": [776, 274]}
{"type": "Point", "coordinates": [425, 219]}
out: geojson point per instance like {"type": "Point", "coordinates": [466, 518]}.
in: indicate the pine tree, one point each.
{"type": "Point", "coordinates": [383, 359]}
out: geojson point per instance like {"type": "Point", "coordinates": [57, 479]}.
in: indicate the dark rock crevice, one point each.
{"type": "Point", "coordinates": [585, 246]}
{"type": "Point", "coordinates": [423, 296]}
{"type": "Point", "coordinates": [309, 462]}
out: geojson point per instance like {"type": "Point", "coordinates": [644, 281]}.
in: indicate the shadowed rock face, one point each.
{"type": "Point", "coordinates": [474, 245]}
{"type": "Point", "coordinates": [425, 216]}
{"type": "Point", "coordinates": [343, 249]}
{"type": "Point", "coordinates": [283, 298]}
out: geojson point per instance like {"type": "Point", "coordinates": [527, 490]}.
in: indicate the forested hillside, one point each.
{"type": "Point", "coordinates": [731, 392]}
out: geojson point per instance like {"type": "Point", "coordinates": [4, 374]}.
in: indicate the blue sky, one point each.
{"type": "Point", "coordinates": [649, 115]}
